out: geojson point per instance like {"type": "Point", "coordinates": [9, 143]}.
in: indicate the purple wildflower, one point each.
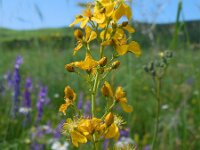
{"type": "Point", "coordinates": [147, 147]}
{"type": "Point", "coordinates": [57, 133]}
{"type": "Point", "coordinates": [27, 93]}
{"type": "Point", "coordinates": [42, 100]}
{"type": "Point", "coordinates": [80, 102]}
{"type": "Point", "coordinates": [16, 84]}
{"type": "Point", "coordinates": [87, 108]}
{"type": "Point", "coordinates": [106, 144]}
{"type": "Point", "coordinates": [26, 106]}
{"type": "Point", "coordinates": [124, 133]}
{"type": "Point", "coordinates": [47, 128]}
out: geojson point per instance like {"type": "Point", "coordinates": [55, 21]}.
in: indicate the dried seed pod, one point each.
{"type": "Point", "coordinates": [146, 69]}
{"type": "Point", "coordinates": [124, 24]}
{"type": "Point", "coordinates": [78, 34]}
{"type": "Point", "coordinates": [115, 64]}
{"type": "Point", "coordinates": [168, 54]}
{"type": "Point", "coordinates": [103, 61]}
{"type": "Point", "coordinates": [69, 67]}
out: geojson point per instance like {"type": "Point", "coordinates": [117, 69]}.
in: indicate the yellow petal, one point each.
{"type": "Point", "coordinates": [121, 50]}
{"type": "Point", "coordinates": [108, 34]}
{"type": "Point", "coordinates": [76, 21]}
{"type": "Point", "coordinates": [69, 93]}
{"type": "Point", "coordinates": [106, 43]}
{"type": "Point", "coordinates": [109, 9]}
{"type": "Point", "coordinates": [127, 108]}
{"type": "Point", "coordinates": [90, 34]}
{"type": "Point", "coordinates": [78, 47]}
{"type": "Point", "coordinates": [84, 22]}
{"type": "Point", "coordinates": [128, 12]}
{"type": "Point", "coordinates": [99, 18]}
{"type": "Point", "coordinates": [107, 89]}
{"type": "Point", "coordinates": [87, 64]}
{"type": "Point", "coordinates": [75, 143]}
{"type": "Point", "coordinates": [117, 136]}
{"type": "Point", "coordinates": [112, 131]}
{"type": "Point", "coordinates": [134, 47]}
{"type": "Point", "coordinates": [119, 93]}
{"type": "Point", "coordinates": [88, 31]}
{"type": "Point", "coordinates": [93, 36]}
{"type": "Point", "coordinates": [78, 137]}
{"type": "Point", "coordinates": [102, 25]}
{"type": "Point", "coordinates": [123, 99]}
{"type": "Point", "coordinates": [129, 28]}
{"type": "Point", "coordinates": [123, 10]}
{"type": "Point", "coordinates": [63, 108]}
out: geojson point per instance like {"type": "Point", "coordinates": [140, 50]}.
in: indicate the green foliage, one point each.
{"type": "Point", "coordinates": [63, 38]}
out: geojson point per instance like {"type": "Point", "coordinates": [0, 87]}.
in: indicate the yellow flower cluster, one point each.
{"type": "Point", "coordinates": [82, 130]}
{"type": "Point", "coordinates": [100, 23]}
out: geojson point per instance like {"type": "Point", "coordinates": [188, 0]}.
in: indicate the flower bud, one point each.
{"type": "Point", "coordinates": [79, 17]}
{"type": "Point", "coordinates": [103, 61]}
{"type": "Point", "coordinates": [115, 64]}
{"type": "Point", "coordinates": [109, 119]}
{"type": "Point", "coordinates": [124, 24]}
{"type": "Point", "coordinates": [69, 67]}
{"type": "Point", "coordinates": [114, 25]}
{"type": "Point", "coordinates": [78, 34]}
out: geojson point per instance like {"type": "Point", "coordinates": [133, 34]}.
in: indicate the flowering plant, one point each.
{"type": "Point", "coordinates": [99, 22]}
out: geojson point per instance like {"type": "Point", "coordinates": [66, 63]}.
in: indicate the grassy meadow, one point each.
{"type": "Point", "coordinates": [43, 62]}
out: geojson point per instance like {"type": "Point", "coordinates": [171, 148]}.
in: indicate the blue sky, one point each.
{"type": "Point", "coordinates": [25, 14]}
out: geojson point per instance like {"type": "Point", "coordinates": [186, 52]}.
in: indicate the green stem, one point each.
{"type": "Point", "coordinates": [94, 91]}
{"type": "Point", "coordinates": [93, 96]}
{"type": "Point", "coordinates": [158, 86]}
{"type": "Point", "coordinates": [109, 109]}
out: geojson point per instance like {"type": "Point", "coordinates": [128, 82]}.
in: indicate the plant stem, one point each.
{"type": "Point", "coordinates": [94, 91]}
{"type": "Point", "coordinates": [109, 109]}
{"type": "Point", "coordinates": [93, 95]}
{"type": "Point", "coordinates": [158, 85]}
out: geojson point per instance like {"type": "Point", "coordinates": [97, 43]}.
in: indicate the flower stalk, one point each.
{"type": "Point", "coordinates": [158, 99]}
{"type": "Point", "coordinates": [99, 22]}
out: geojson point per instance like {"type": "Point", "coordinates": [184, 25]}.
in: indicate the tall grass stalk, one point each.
{"type": "Point", "coordinates": [157, 82]}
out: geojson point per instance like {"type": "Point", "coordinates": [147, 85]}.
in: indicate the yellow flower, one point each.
{"type": "Point", "coordinates": [89, 36]}
{"type": "Point", "coordinates": [98, 17]}
{"type": "Point", "coordinates": [113, 130]}
{"type": "Point", "coordinates": [70, 97]}
{"type": "Point", "coordinates": [63, 108]}
{"type": "Point", "coordinates": [103, 9]}
{"type": "Point", "coordinates": [122, 10]}
{"type": "Point", "coordinates": [89, 126]}
{"type": "Point", "coordinates": [132, 47]}
{"type": "Point", "coordinates": [88, 64]}
{"type": "Point", "coordinates": [120, 96]}
{"type": "Point", "coordinates": [84, 19]}
{"type": "Point", "coordinates": [70, 127]}
{"type": "Point", "coordinates": [69, 93]}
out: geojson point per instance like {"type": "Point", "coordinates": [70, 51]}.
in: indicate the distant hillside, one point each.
{"type": "Point", "coordinates": [61, 38]}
